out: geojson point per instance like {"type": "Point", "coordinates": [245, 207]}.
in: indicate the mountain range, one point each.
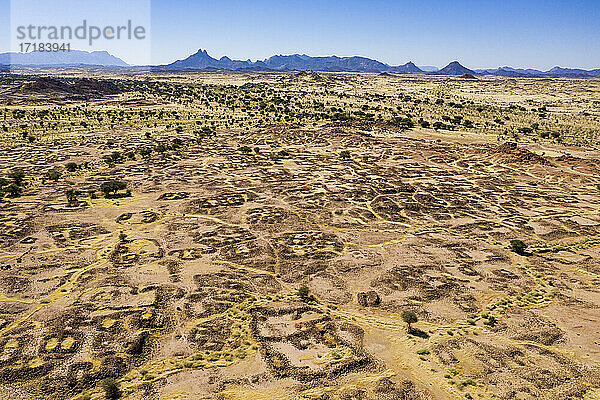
{"type": "Point", "coordinates": [295, 62]}
{"type": "Point", "coordinates": [60, 58]}
{"type": "Point", "coordinates": [556, 72]}
{"type": "Point", "coordinates": [202, 61]}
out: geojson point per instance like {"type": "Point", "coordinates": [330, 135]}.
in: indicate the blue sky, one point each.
{"type": "Point", "coordinates": [537, 33]}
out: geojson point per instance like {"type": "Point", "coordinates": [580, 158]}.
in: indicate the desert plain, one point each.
{"type": "Point", "coordinates": [269, 235]}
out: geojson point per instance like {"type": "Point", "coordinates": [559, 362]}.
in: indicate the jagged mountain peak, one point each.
{"type": "Point", "coordinates": [303, 62]}
{"type": "Point", "coordinates": [296, 62]}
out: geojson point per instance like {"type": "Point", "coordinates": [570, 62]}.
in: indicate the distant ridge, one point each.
{"type": "Point", "coordinates": [428, 68]}
{"type": "Point", "coordinates": [455, 68]}
{"type": "Point", "coordinates": [556, 72]}
{"type": "Point", "coordinates": [201, 60]}
{"type": "Point", "coordinates": [61, 58]}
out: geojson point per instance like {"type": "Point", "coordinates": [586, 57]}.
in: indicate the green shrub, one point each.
{"type": "Point", "coordinates": [409, 317]}
{"type": "Point", "coordinates": [518, 246]}
{"type": "Point", "coordinates": [112, 187]}
{"type": "Point", "coordinates": [53, 175]}
{"type": "Point", "coordinates": [17, 177]}
{"type": "Point", "coordinates": [14, 190]}
{"type": "Point", "coordinates": [345, 155]}
{"type": "Point", "coordinates": [111, 389]}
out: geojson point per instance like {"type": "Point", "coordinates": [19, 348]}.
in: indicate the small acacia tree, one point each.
{"type": "Point", "coordinates": [54, 175]}
{"type": "Point", "coordinates": [14, 190]}
{"type": "Point", "coordinates": [410, 318]}
{"type": "Point", "coordinates": [111, 389]}
{"type": "Point", "coordinates": [305, 296]}
{"type": "Point", "coordinates": [71, 166]}
{"type": "Point", "coordinates": [113, 158]}
{"type": "Point", "coordinates": [72, 195]}
{"type": "Point", "coordinates": [518, 246]}
{"type": "Point", "coordinates": [303, 292]}
{"type": "Point", "coordinates": [112, 187]}
{"type": "Point", "coordinates": [17, 177]}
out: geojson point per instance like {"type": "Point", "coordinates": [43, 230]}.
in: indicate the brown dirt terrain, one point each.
{"type": "Point", "coordinates": [187, 286]}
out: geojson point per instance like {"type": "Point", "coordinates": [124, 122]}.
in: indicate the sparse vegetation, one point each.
{"type": "Point", "coordinates": [305, 296]}
{"type": "Point", "coordinates": [251, 188]}
{"type": "Point", "coordinates": [111, 188]}
{"type": "Point", "coordinates": [409, 317]}
{"type": "Point", "coordinates": [71, 166]}
{"type": "Point", "coordinates": [111, 389]}
{"type": "Point", "coordinates": [54, 175]}
{"type": "Point", "coordinates": [518, 246]}
{"type": "Point", "coordinates": [72, 195]}
{"type": "Point", "coordinates": [17, 177]}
